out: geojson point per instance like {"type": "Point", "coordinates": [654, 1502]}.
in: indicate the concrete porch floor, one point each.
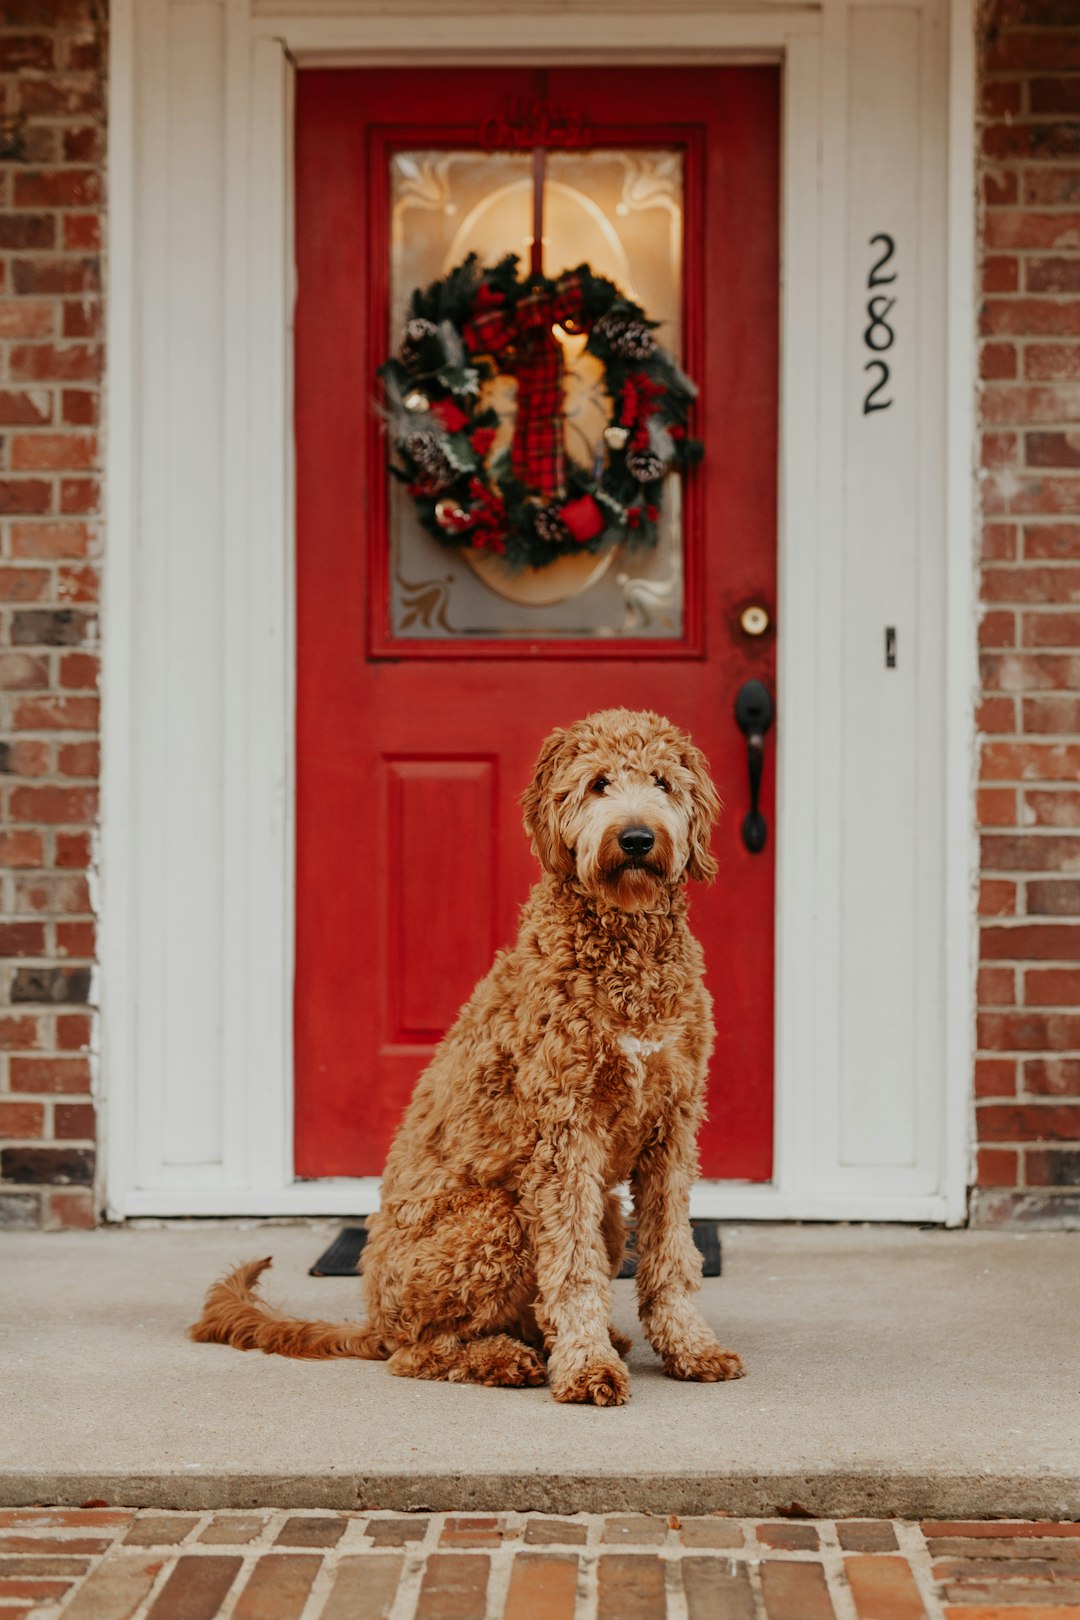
{"type": "Point", "coordinates": [891, 1373]}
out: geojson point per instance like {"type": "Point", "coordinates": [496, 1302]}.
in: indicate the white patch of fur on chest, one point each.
{"type": "Point", "coordinates": [635, 1048]}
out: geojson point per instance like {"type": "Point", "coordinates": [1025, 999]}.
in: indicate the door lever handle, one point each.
{"type": "Point", "coordinates": [754, 715]}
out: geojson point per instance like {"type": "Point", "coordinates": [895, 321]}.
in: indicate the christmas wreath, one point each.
{"type": "Point", "coordinates": [531, 502]}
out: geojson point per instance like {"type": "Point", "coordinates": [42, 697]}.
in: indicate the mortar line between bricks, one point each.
{"type": "Point", "coordinates": [753, 1570]}
{"type": "Point", "coordinates": [832, 1561]}
{"type": "Point", "coordinates": [353, 1539]}
{"type": "Point", "coordinates": [502, 1561]}
{"type": "Point", "coordinates": [409, 1581]}
{"type": "Point", "coordinates": [272, 1528]}
{"type": "Point", "coordinates": [167, 1566]}
{"type": "Point", "coordinates": [587, 1601]}
{"type": "Point", "coordinates": [500, 1558]}
{"type": "Point", "coordinates": [674, 1591]}
{"type": "Point", "coordinates": [197, 1528]}
{"type": "Point", "coordinates": [738, 1555]}
{"type": "Point", "coordinates": [249, 1558]}
{"type": "Point", "coordinates": [912, 1544]}
{"type": "Point", "coordinates": [320, 1586]}
{"type": "Point", "coordinates": [828, 1538]}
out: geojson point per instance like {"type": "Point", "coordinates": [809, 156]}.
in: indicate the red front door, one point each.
{"type": "Point", "coordinates": [423, 693]}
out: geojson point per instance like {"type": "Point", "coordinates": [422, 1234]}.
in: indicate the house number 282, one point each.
{"type": "Point", "coordinates": [878, 334]}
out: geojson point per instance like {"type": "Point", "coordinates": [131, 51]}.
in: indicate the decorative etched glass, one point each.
{"type": "Point", "coordinates": [619, 211]}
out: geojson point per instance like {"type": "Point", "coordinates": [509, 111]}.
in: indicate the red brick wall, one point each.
{"type": "Point", "coordinates": [51, 194]}
{"type": "Point", "coordinates": [1028, 1069]}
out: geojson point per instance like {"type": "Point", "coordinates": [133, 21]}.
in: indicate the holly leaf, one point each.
{"type": "Point", "coordinates": [458, 452]}
{"type": "Point", "coordinates": [660, 441]}
{"type": "Point", "coordinates": [460, 379]}
{"type": "Point", "coordinates": [453, 346]}
{"type": "Point", "coordinates": [393, 375]}
{"type": "Point", "coordinates": [672, 374]}
{"type": "Point", "coordinates": [616, 509]}
{"type": "Point", "coordinates": [502, 474]}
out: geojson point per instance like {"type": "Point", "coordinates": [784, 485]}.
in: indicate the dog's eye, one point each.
{"type": "Point", "coordinates": [600, 784]}
{"type": "Point", "coordinates": [663, 784]}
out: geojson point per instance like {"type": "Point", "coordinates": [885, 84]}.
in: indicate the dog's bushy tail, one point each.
{"type": "Point", "coordinates": [234, 1314]}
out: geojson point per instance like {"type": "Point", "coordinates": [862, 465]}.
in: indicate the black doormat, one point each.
{"type": "Point", "coordinates": [343, 1255]}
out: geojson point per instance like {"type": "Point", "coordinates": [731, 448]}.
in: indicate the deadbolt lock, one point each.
{"type": "Point", "coordinates": [754, 621]}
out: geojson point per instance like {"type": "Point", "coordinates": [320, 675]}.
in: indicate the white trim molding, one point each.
{"type": "Point", "coordinates": [875, 836]}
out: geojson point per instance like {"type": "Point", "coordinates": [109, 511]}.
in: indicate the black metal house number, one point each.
{"type": "Point", "coordinates": [879, 335]}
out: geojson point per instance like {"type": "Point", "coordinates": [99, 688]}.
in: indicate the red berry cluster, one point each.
{"type": "Point", "coordinates": [638, 404]}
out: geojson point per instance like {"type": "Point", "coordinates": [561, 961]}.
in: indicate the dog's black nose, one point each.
{"type": "Point", "coordinates": [636, 840]}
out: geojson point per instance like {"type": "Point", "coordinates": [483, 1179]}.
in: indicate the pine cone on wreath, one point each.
{"type": "Point", "coordinates": [550, 527]}
{"type": "Point", "coordinates": [630, 339]}
{"type": "Point", "coordinates": [645, 466]}
{"type": "Point", "coordinates": [424, 448]}
{"type": "Point", "coordinates": [417, 332]}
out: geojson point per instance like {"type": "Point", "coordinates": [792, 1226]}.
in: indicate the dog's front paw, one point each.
{"type": "Point", "coordinates": [711, 1366]}
{"type": "Point", "coordinates": [596, 1383]}
{"type": "Point", "coordinates": [519, 1367]}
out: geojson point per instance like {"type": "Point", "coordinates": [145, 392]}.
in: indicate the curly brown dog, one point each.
{"type": "Point", "coordinates": [578, 1063]}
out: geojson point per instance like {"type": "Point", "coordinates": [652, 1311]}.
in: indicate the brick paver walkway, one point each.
{"type": "Point", "coordinates": [116, 1564]}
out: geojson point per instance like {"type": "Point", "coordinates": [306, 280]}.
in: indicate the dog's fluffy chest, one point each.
{"type": "Point", "coordinates": [639, 1050]}
{"type": "Point", "coordinates": [631, 1094]}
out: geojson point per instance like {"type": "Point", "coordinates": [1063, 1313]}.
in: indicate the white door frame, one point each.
{"type": "Point", "coordinates": [197, 833]}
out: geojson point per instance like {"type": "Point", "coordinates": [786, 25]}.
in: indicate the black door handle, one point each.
{"type": "Point", "coordinates": [754, 713]}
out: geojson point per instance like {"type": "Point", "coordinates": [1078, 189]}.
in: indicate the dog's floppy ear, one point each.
{"type": "Point", "coordinates": [541, 811]}
{"type": "Point", "coordinates": [704, 812]}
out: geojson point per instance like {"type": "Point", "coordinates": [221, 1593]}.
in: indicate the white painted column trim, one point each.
{"type": "Point", "coordinates": [716, 1200]}
{"type": "Point", "coordinates": [115, 1081]}
{"type": "Point", "coordinates": [798, 832]}
{"type": "Point", "coordinates": [961, 636]}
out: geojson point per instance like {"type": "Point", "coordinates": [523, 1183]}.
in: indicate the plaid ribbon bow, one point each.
{"type": "Point", "coordinates": [521, 338]}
